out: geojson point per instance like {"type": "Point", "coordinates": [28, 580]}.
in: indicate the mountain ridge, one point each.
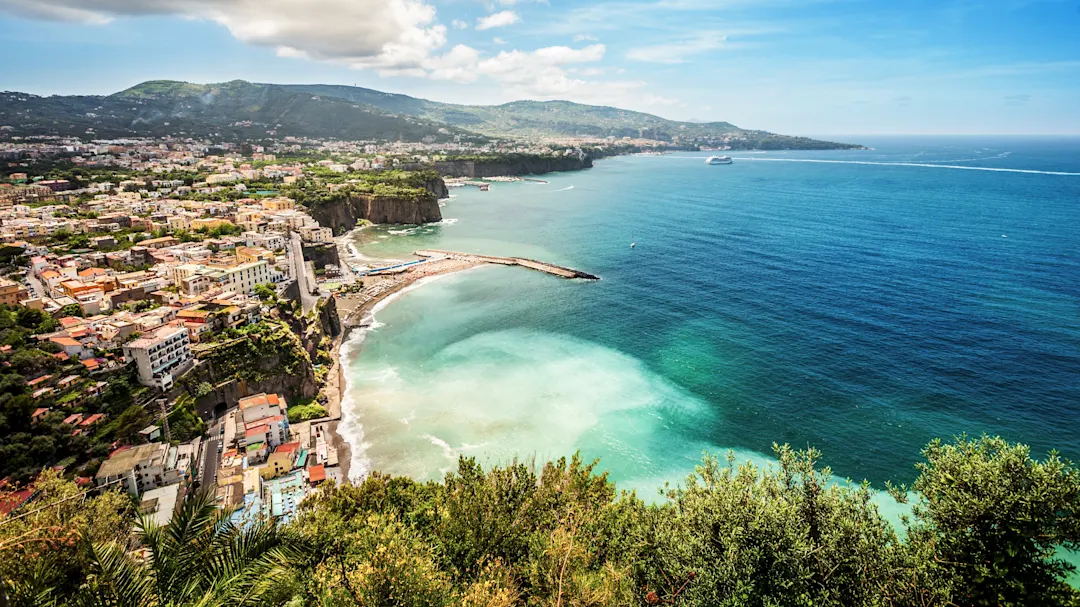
{"type": "Point", "coordinates": [244, 110]}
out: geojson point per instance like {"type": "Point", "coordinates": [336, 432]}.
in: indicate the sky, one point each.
{"type": "Point", "coordinates": [789, 66]}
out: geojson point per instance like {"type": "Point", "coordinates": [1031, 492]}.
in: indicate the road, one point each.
{"type": "Point", "coordinates": [36, 288]}
{"type": "Point", "coordinates": [211, 456]}
{"type": "Point", "coordinates": [305, 281]}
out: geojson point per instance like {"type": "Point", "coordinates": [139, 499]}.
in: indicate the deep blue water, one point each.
{"type": "Point", "coordinates": [861, 308]}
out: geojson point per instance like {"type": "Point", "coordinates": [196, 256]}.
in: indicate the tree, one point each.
{"type": "Point", "coordinates": [70, 310]}
{"type": "Point", "coordinates": [200, 557]}
{"type": "Point", "coordinates": [130, 422]}
{"type": "Point", "coordinates": [42, 555]}
{"type": "Point", "coordinates": [989, 520]}
{"type": "Point", "coordinates": [741, 535]}
{"type": "Point", "coordinates": [265, 292]}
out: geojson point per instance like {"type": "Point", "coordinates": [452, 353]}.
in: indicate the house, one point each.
{"type": "Point", "coordinates": [10, 292]}
{"type": "Point", "coordinates": [39, 382]}
{"type": "Point", "coordinates": [256, 453]}
{"type": "Point", "coordinates": [139, 469]}
{"type": "Point", "coordinates": [316, 475]}
{"type": "Point", "coordinates": [43, 393]}
{"type": "Point", "coordinates": [261, 406]}
{"type": "Point", "coordinates": [72, 348]}
{"type": "Point", "coordinates": [39, 414]}
{"type": "Point", "coordinates": [74, 419]}
{"type": "Point", "coordinates": [159, 504]}
{"type": "Point", "coordinates": [150, 433]}
{"type": "Point", "coordinates": [92, 421]}
{"type": "Point", "coordinates": [99, 242]}
{"type": "Point", "coordinates": [280, 461]}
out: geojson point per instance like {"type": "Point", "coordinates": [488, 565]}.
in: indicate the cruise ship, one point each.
{"type": "Point", "coordinates": [719, 160]}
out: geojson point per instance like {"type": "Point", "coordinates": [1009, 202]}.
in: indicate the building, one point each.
{"type": "Point", "coordinates": [167, 352]}
{"type": "Point", "coordinates": [139, 469]}
{"type": "Point", "coordinates": [280, 461]}
{"type": "Point", "coordinates": [261, 406]}
{"type": "Point", "coordinates": [160, 504]}
{"type": "Point", "coordinates": [9, 292]}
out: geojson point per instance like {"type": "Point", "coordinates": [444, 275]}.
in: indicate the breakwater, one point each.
{"type": "Point", "coordinates": [532, 264]}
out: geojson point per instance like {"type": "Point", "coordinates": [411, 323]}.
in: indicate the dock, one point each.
{"type": "Point", "coordinates": [532, 264]}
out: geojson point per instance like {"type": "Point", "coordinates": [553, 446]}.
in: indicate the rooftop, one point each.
{"type": "Point", "coordinates": [124, 461]}
{"type": "Point", "coordinates": [259, 399]}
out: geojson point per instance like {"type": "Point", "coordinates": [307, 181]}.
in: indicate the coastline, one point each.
{"type": "Point", "coordinates": [355, 310]}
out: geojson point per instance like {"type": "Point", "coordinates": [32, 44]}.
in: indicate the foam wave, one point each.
{"type": "Point", "coordinates": [924, 165]}
{"type": "Point", "coordinates": [565, 189]}
{"type": "Point", "coordinates": [350, 428]}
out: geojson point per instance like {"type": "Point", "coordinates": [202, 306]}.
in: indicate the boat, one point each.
{"type": "Point", "coordinates": [633, 244]}
{"type": "Point", "coordinates": [719, 160]}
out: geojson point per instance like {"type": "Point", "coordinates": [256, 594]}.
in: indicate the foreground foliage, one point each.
{"type": "Point", "coordinates": [985, 522]}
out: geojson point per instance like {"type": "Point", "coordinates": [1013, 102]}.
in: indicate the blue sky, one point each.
{"type": "Point", "coordinates": [809, 67]}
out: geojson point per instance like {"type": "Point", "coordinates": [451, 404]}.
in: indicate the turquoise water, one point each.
{"type": "Point", "coordinates": [862, 308]}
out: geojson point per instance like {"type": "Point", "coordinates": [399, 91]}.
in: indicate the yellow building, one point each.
{"type": "Point", "coordinates": [9, 292]}
{"type": "Point", "coordinates": [280, 461]}
{"type": "Point", "coordinates": [278, 204]}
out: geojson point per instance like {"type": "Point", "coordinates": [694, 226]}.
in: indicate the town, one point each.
{"type": "Point", "coordinates": [135, 276]}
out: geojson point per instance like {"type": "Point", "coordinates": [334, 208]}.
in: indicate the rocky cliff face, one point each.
{"type": "Point", "coordinates": [322, 254]}
{"type": "Point", "coordinates": [527, 166]}
{"type": "Point", "coordinates": [342, 215]}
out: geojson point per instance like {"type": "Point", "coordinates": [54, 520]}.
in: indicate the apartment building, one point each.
{"type": "Point", "coordinates": [161, 356]}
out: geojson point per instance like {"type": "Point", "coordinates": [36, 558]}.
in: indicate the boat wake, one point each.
{"type": "Point", "coordinates": [565, 189]}
{"type": "Point", "coordinates": [914, 164]}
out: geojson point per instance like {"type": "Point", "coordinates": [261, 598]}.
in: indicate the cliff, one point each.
{"type": "Point", "coordinates": [321, 254]}
{"type": "Point", "coordinates": [342, 214]}
{"type": "Point", "coordinates": [530, 165]}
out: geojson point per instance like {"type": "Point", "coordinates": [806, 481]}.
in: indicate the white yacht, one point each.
{"type": "Point", "coordinates": [719, 160]}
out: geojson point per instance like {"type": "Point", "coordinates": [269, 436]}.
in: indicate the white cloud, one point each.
{"type": "Point", "coordinates": [396, 34]}
{"type": "Point", "coordinates": [458, 24]}
{"type": "Point", "coordinates": [585, 38]}
{"type": "Point", "coordinates": [498, 40]}
{"type": "Point", "coordinates": [677, 52]}
{"type": "Point", "coordinates": [392, 37]}
{"type": "Point", "coordinates": [499, 19]}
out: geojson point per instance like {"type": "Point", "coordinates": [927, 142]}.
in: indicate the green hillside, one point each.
{"type": "Point", "coordinates": [243, 110]}
{"type": "Point", "coordinates": [564, 119]}
{"type": "Point", "coordinates": [231, 110]}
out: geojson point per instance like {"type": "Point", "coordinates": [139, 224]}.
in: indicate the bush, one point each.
{"type": "Point", "coordinates": [303, 413]}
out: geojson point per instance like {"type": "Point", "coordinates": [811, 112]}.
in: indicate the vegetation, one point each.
{"type": "Point", "coordinates": [303, 413]}
{"type": "Point", "coordinates": [233, 110]}
{"type": "Point", "coordinates": [983, 531]}
{"type": "Point", "coordinates": [404, 185]}
{"type": "Point", "coordinates": [27, 445]}
{"type": "Point", "coordinates": [243, 111]}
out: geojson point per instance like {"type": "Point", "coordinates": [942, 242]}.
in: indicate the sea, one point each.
{"type": "Point", "coordinates": [860, 302]}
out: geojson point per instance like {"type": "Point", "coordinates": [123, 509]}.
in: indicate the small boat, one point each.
{"type": "Point", "coordinates": [719, 160]}
{"type": "Point", "coordinates": [633, 244]}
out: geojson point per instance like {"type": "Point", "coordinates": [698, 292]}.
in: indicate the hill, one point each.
{"type": "Point", "coordinates": [243, 110]}
{"type": "Point", "coordinates": [538, 119]}
{"type": "Point", "coordinates": [232, 110]}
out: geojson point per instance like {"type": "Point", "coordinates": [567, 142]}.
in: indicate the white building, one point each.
{"type": "Point", "coordinates": [139, 469]}
{"type": "Point", "coordinates": [161, 356]}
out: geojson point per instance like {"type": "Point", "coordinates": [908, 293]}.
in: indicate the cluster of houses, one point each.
{"type": "Point", "coordinates": [266, 467]}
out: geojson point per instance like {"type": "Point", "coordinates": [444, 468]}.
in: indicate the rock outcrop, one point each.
{"type": "Point", "coordinates": [322, 254]}
{"type": "Point", "coordinates": [533, 165]}
{"type": "Point", "coordinates": [342, 215]}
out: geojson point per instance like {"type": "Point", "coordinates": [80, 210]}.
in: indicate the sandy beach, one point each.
{"type": "Point", "coordinates": [356, 303]}
{"type": "Point", "coordinates": [354, 309]}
